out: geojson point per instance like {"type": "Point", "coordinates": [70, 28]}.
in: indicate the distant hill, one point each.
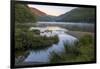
{"type": "Point", "coordinates": [37, 12]}
{"type": "Point", "coordinates": [41, 16]}
{"type": "Point", "coordinates": [78, 15]}
{"type": "Point", "coordinates": [26, 14]}
{"type": "Point", "coordinates": [23, 14]}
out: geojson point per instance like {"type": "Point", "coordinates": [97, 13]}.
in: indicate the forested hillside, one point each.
{"type": "Point", "coordinates": [78, 15]}
{"type": "Point", "coordinates": [23, 14]}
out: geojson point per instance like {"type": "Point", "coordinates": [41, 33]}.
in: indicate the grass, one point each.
{"type": "Point", "coordinates": [82, 51]}
{"type": "Point", "coordinates": [25, 40]}
{"type": "Point", "coordinates": [20, 56]}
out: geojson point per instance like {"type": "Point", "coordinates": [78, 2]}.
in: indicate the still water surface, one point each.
{"type": "Point", "coordinates": [59, 29]}
{"type": "Point", "coordinates": [44, 55]}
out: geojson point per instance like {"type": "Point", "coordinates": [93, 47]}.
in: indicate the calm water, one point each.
{"type": "Point", "coordinates": [89, 27]}
{"type": "Point", "coordinates": [59, 29]}
{"type": "Point", "coordinates": [44, 55]}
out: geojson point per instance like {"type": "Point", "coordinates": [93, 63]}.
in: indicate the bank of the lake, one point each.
{"type": "Point", "coordinates": [79, 34]}
{"type": "Point", "coordinates": [26, 39]}
{"type": "Point", "coordinates": [42, 47]}
{"type": "Point", "coordinates": [82, 51]}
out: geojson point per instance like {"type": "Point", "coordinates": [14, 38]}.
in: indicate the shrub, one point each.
{"type": "Point", "coordinates": [25, 40]}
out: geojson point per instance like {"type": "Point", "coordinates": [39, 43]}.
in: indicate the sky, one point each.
{"type": "Point", "coordinates": [52, 10]}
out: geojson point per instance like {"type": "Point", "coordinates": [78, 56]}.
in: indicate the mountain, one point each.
{"type": "Point", "coordinates": [23, 15]}
{"type": "Point", "coordinates": [41, 16]}
{"type": "Point", "coordinates": [37, 12]}
{"type": "Point", "coordinates": [78, 15]}
{"type": "Point", "coordinates": [26, 14]}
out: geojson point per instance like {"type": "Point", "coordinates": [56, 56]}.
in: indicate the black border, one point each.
{"type": "Point", "coordinates": [12, 29]}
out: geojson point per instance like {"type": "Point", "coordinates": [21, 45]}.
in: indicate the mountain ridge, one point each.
{"type": "Point", "coordinates": [40, 15]}
{"type": "Point", "coordinates": [37, 11]}
{"type": "Point", "coordinates": [78, 15]}
{"type": "Point", "coordinates": [24, 13]}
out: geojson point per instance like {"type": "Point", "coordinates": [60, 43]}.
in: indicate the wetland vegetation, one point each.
{"type": "Point", "coordinates": [82, 51]}
{"type": "Point", "coordinates": [66, 38]}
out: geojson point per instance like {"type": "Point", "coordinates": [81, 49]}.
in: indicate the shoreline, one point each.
{"type": "Point", "coordinates": [79, 34]}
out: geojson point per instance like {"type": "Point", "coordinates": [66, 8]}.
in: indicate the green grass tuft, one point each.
{"type": "Point", "coordinates": [82, 51]}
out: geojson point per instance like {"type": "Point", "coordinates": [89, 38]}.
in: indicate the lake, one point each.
{"type": "Point", "coordinates": [88, 27]}
{"type": "Point", "coordinates": [59, 29]}
{"type": "Point", "coordinates": [44, 55]}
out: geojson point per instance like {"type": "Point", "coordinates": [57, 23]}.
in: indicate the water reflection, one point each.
{"type": "Point", "coordinates": [44, 55]}
{"type": "Point", "coordinates": [89, 27]}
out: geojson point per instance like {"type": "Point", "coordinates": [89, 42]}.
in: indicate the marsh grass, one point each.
{"type": "Point", "coordinates": [25, 39]}
{"type": "Point", "coordinates": [20, 56]}
{"type": "Point", "coordinates": [82, 51]}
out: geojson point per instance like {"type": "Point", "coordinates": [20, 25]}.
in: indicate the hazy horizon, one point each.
{"type": "Point", "coordinates": [52, 10]}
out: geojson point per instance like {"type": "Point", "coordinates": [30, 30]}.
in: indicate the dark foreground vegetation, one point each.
{"type": "Point", "coordinates": [25, 39]}
{"type": "Point", "coordinates": [82, 51]}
